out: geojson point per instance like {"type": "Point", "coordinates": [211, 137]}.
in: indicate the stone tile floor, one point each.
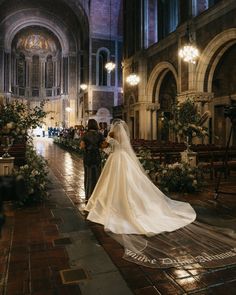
{"type": "Point", "coordinates": [52, 249]}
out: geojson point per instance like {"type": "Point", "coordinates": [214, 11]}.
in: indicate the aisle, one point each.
{"type": "Point", "coordinates": [67, 167]}
{"type": "Point", "coordinates": [49, 249]}
{"type": "Point", "coordinates": [191, 279]}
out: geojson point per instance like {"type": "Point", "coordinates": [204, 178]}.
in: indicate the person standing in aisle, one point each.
{"type": "Point", "coordinates": [91, 142]}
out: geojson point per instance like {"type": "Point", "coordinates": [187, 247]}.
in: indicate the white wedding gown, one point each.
{"type": "Point", "coordinates": [125, 201]}
{"type": "Point", "coordinates": [155, 230]}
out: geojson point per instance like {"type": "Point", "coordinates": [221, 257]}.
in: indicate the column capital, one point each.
{"type": "Point", "coordinates": [28, 58]}
{"type": "Point", "coordinates": [153, 106]}
{"type": "Point", "coordinates": [197, 96]}
{"type": "Point", "coordinates": [42, 59]}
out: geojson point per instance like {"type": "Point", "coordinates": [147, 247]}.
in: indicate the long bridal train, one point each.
{"type": "Point", "coordinates": [199, 243]}
{"type": "Point", "coordinates": [155, 230]}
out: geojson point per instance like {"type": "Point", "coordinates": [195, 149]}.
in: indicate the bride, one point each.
{"type": "Point", "coordinates": [151, 226]}
{"type": "Point", "coordinates": [125, 201]}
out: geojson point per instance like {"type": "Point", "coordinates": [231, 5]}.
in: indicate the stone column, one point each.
{"type": "Point", "coordinates": [65, 60]}
{"type": "Point", "coordinates": [42, 90]}
{"type": "Point", "coordinates": [7, 72]}
{"type": "Point", "coordinates": [28, 73]}
{"type": "Point", "coordinates": [1, 70]}
{"type": "Point", "coordinates": [55, 76]}
{"type": "Point", "coordinates": [152, 108]}
{"type": "Point", "coordinates": [13, 71]}
{"type": "Point", "coordinates": [72, 88]}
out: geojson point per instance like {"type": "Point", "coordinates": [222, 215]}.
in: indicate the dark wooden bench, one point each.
{"type": "Point", "coordinates": [17, 151]}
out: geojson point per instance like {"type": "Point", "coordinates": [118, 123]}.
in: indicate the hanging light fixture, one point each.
{"type": "Point", "coordinates": [189, 52]}
{"type": "Point", "coordinates": [110, 65]}
{"type": "Point", "coordinates": [133, 79]}
{"type": "Point", "coordinates": [83, 86]}
{"type": "Point", "coordinates": [68, 109]}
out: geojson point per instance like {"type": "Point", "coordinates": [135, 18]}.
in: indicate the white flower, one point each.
{"type": "Point", "coordinates": [34, 172]}
{"type": "Point", "coordinates": [10, 125]}
{"type": "Point", "coordinates": [177, 165]}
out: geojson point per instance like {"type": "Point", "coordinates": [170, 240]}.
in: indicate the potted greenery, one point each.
{"type": "Point", "coordinates": [179, 177]}
{"type": "Point", "coordinates": [187, 122]}
{"type": "Point", "coordinates": [16, 120]}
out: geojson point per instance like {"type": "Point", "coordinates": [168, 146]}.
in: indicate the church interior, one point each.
{"type": "Point", "coordinates": [166, 68]}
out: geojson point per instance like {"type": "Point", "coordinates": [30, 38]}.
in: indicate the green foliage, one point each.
{"type": "Point", "coordinates": [69, 144]}
{"type": "Point", "coordinates": [186, 121]}
{"type": "Point", "coordinates": [179, 177]}
{"type": "Point", "coordinates": [16, 118]}
{"type": "Point", "coordinates": [34, 173]}
{"type": "Point", "coordinates": [145, 157]}
{"type": "Point", "coordinates": [149, 164]}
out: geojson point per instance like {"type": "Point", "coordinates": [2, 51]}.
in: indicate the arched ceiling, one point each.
{"type": "Point", "coordinates": [65, 19]}
{"type": "Point", "coordinates": [35, 39]}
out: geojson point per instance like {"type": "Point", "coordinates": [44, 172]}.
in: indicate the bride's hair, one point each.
{"type": "Point", "coordinates": [121, 133]}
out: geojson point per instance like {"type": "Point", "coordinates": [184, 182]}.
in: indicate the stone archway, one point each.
{"type": "Point", "coordinates": [156, 77]}
{"type": "Point", "coordinates": [166, 97]}
{"type": "Point", "coordinates": [71, 32]}
{"type": "Point", "coordinates": [207, 79]}
{"type": "Point", "coordinates": [210, 57]}
{"type": "Point", "coordinates": [224, 89]}
{"type": "Point", "coordinates": [162, 89]}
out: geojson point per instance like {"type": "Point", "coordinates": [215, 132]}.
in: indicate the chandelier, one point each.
{"type": "Point", "coordinates": [68, 109]}
{"type": "Point", "coordinates": [189, 52]}
{"type": "Point", "coordinates": [110, 66]}
{"type": "Point", "coordinates": [133, 79]}
{"type": "Point", "coordinates": [83, 86]}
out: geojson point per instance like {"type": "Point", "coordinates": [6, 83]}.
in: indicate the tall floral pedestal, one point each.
{"type": "Point", "coordinates": [189, 157]}
{"type": "Point", "coordinates": [6, 166]}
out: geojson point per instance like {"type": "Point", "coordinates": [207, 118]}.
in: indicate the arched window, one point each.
{"type": "Point", "coordinates": [49, 72]}
{"type": "Point", "coordinates": [102, 73]}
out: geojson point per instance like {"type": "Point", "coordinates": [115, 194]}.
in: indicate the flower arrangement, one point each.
{"type": "Point", "coordinates": [34, 173]}
{"type": "Point", "coordinates": [16, 118]}
{"type": "Point", "coordinates": [69, 144]}
{"type": "Point", "coordinates": [179, 177]}
{"type": "Point", "coordinates": [187, 122]}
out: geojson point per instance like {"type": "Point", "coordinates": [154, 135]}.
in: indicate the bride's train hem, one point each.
{"type": "Point", "coordinates": [125, 201]}
{"type": "Point", "coordinates": [197, 243]}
